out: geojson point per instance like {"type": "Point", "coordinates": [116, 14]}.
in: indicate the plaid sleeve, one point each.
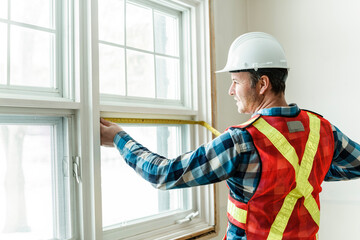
{"type": "Point", "coordinates": [218, 160]}
{"type": "Point", "coordinates": [346, 160]}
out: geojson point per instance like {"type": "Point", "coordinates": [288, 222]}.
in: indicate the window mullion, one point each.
{"type": "Point", "coordinates": [56, 74]}
{"type": "Point", "coordinates": [88, 122]}
{"type": "Point", "coordinates": [137, 49]}
{"type": "Point", "coordinates": [65, 46]}
{"type": "Point", "coordinates": [59, 75]}
{"type": "Point", "coordinates": [154, 53]}
{"type": "Point", "coordinates": [125, 49]}
{"type": "Point", "coordinates": [8, 43]}
{"type": "Point", "coordinates": [93, 98]}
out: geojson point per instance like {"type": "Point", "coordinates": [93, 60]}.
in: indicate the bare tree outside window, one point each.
{"type": "Point", "coordinates": [16, 215]}
{"type": "Point", "coordinates": [27, 209]}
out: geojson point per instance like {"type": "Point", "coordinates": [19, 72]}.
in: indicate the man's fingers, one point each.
{"type": "Point", "coordinates": [106, 123]}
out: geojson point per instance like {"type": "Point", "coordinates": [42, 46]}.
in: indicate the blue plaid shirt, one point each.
{"type": "Point", "coordinates": [232, 157]}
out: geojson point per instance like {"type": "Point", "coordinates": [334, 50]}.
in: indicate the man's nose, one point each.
{"type": "Point", "coordinates": [231, 90]}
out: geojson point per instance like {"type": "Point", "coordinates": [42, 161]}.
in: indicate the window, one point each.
{"type": "Point", "coordinates": [139, 50]}
{"type": "Point", "coordinates": [144, 62]}
{"type": "Point", "coordinates": [63, 64]}
{"type": "Point", "coordinates": [35, 185]}
{"type": "Point", "coordinates": [123, 208]}
{"type": "Point", "coordinates": [33, 48]}
{"type": "Point", "coordinates": [37, 112]}
{"type": "Point", "coordinates": [136, 199]}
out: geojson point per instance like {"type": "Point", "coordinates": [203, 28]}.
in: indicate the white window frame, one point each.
{"type": "Point", "coordinates": [56, 106]}
{"type": "Point", "coordinates": [62, 122]}
{"type": "Point", "coordinates": [62, 70]}
{"type": "Point", "coordinates": [200, 108]}
{"type": "Point", "coordinates": [79, 104]}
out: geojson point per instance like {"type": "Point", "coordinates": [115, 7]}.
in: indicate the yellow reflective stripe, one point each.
{"type": "Point", "coordinates": [279, 141]}
{"type": "Point", "coordinates": [313, 209]}
{"type": "Point", "coordinates": [306, 166]}
{"type": "Point", "coordinates": [237, 213]}
{"type": "Point", "coordinates": [282, 218]}
{"type": "Point", "coordinates": [303, 187]}
{"type": "Point", "coordinates": [163, 121]}
{"type": "Point", "coordinates": [310, 149]}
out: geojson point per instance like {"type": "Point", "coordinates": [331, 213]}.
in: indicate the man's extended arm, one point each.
{"type": "Point", "coordinates": [218, 160]}
{"type": "Point", "coordinates": [346, 161]}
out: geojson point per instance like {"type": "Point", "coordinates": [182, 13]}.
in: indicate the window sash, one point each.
{"type": "Point", "coordinates": [60, 64]}
{"type": "Point", "coordinates": [155, 99]}
{"type": "Point", "coordinates": [192, 96]}
{"type": "Point", "coordinates": [61, 187]}
{"type": "Point", "coordinates": [181, 137]}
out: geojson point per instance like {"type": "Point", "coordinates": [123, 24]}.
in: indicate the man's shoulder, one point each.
{"type": "Point", "coordinates": [310, 111]}
{"type": "Point", "coordinates": [246, 124]}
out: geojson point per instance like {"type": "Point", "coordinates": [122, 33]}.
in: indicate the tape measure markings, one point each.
{"type": "Point", "coordinates": [163, 121]}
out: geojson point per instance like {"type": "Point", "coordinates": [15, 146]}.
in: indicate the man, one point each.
{"type": "Point", "coordinates": [274, 164]}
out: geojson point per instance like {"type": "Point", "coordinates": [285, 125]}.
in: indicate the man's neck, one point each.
{"type": "Point", "coordinates": [273, 101]}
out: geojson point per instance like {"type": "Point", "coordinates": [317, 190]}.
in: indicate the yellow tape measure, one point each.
{"type": "Point", "coordinates": [163, 121]}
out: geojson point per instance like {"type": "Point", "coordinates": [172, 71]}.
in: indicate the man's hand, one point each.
{"type": "Point", "coordinates": [108, 130]}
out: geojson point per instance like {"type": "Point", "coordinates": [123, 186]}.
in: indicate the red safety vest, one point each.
{"type": "Point", "coordinates": [296, 153]}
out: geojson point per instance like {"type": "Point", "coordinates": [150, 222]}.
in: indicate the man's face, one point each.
{"type": "Point", "coordinates": [247, 98]}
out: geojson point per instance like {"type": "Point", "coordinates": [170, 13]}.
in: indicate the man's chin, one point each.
{"type": "Point", "coordinates": [243, 111]}
{"type": "Point", "coordinates": [240, 108]}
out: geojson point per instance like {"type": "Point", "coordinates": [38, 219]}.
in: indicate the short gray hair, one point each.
{"type": "Point", "coordinates": [277, 77]}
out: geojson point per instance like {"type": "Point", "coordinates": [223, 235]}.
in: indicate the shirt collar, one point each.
{"type": "Point", "coordinates": [289, 111]}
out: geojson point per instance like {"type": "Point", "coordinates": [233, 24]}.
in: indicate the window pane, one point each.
{"type": "Point", "coordinates": [3, 53]}
{"type": "Point", "coordinates": [168, 78]}
{"type": "Point", "coordinates": [121, 201]}
{"type": "Point", "coordinates": [111, 21]}
{"type": "Point", "coordinates": [112, 70]}
{"type": "Point", "coordinates": [139, 27]}
{"type": "Point", "coordinates": [27, 183]}
{"type": "Point", "coordinates": [166, 34]}
{"type": "Point", "coordinates": [140, 74]}
{"type": "Point", "coordinates": [37, 12]}
{"type": "Point", "coordinates": [31, 57]}
{"type": "Point", "coordinates": [3, 9]}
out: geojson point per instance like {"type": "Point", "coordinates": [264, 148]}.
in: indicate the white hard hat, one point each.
{"type": "Point", "coordinates": [255, 50]}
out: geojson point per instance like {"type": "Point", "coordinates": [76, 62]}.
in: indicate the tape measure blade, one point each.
{"type": "Point", "coordinates": [163, 121]}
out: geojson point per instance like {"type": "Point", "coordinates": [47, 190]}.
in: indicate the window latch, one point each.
{"type": "Point", "coordinates": [188, 218]}
{"type": "Point", "coordinates": [76, 169]}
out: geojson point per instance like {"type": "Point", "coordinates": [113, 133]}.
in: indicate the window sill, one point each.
{"type": "Point", "coordinates": [178, 232]}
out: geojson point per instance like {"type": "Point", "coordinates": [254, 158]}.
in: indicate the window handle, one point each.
{"type": "Point", "coordinates": [188, 218]}
{"type": "Point", "coordinates": [76, 169]}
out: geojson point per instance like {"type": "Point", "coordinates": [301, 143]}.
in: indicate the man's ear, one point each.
{"type": "Point", "coordinates": [264, 84]}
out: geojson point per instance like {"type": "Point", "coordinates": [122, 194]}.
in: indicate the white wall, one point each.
{"type": "Point", "coordinates": [322, 42]}
{"type": "Point", "coordinates": [230, 21]}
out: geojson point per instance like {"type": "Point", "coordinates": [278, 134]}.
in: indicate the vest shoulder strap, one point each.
{"type": "Point", "coordinates": [312, 112]}
{"type": "Point", "coordinates": [247, 123]}
{"type": "Point", "coordinates": [250, 122]}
